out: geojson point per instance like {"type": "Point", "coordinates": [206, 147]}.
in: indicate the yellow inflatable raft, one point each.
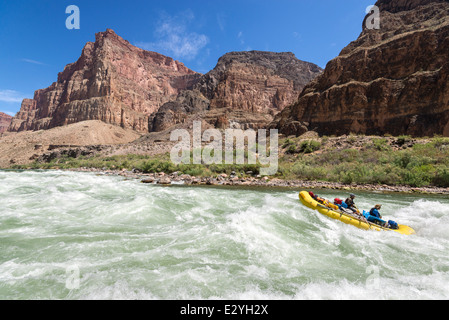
{"type": "Point", "coordinates": [332, 211]}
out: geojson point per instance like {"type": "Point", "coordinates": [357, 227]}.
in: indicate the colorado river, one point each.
{"type": "Point", "coordinates": [67, 235]}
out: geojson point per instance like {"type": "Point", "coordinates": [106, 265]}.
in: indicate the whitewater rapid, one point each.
{"type": "Point", "coordinates": [67, 235]}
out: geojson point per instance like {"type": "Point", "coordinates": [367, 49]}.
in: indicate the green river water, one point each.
{"type": "Point", "coordinates": [66, 235]}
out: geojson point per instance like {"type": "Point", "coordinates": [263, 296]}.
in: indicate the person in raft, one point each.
{"type": "Point", "coordinates": [351, 205]}
{"type": "Point", "coordinates": [317, 198]}
{"type": "Point", "coordinates": [375, 216]}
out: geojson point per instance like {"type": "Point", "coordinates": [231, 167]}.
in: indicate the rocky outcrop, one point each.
{"type": "Point", "coordinates": [25, 117]}
{"type": "Point", "coordinates": [175, 112]}
{"type": "Point", "coordinates": [5, 121]}
{"type": "Point", "coordinates": [255, 85]}
{"type": "Point", "coordinates": [389, 81]}
{"type": "Point", "coordinates": [256, 81]}
{"type": "Point", "coordinates": [113, 81]}
{"type": "Point", "coordinates": [244, 90]}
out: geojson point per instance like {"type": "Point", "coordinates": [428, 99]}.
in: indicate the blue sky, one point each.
{"type": "Point", "coordinates": [36, 45]}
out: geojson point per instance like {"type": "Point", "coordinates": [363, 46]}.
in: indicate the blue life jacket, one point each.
{"type": "Point", "coordinates": [374, 212]}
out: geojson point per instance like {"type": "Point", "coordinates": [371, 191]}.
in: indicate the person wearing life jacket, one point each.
{"type": "Point", "coordinates": [317, 198]}
{"type": "Point", "coordinates": [376, 217]}
{"type": "Point", "coordinates": [375, 211]}
{"type": "Point", "coordinates": [338, 202]}
{"type": "Point", "coordinates": [350, 203]}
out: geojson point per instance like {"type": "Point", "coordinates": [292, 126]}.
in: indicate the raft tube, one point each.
{"type": "Point", "coordinates": [333, 212]}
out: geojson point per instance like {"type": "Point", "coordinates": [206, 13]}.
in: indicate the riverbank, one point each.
{"type": "Point", "coordinates": [383, 164]}
{"type": "Point", "coordinates": [234, 180]}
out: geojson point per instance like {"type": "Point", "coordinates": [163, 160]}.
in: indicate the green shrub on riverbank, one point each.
{"type": "Point", "coordinates": [144, 164]}
{"type": "Point", "coordinates": [423, 164]}
{"type": "Point", "coordinates": [354, 160]}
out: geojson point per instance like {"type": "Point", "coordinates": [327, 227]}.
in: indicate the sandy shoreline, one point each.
{"type": "Point", "coordinates": [225, 180]}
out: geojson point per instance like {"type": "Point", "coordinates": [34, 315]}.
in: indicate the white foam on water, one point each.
{"type": "Point", "coordinates": [136, 241]}
{"type": "Point", "coordinates": [430, 218]}
{"type": "Point", "coordinates": [120, 290]}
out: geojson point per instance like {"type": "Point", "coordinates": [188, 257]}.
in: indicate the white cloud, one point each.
{"type": "Point", "coordinates": [296, 35]}
{"type": "Point", "coordinates": [11, 96]}
{"type": "Point", "coordinates": [241, 38]}
{"type": "Point", "coordinates": [33, 61]}
{"type": "Point", "coordinates": [174, 38]}
{"type": "Point", "coordinates": [221, 20]}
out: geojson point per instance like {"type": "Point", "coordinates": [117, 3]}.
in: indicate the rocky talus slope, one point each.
{"type": "Point", "coordinates": [27, 146]}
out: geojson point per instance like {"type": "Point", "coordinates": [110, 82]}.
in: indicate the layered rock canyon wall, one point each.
{"type": "Point", "coordinates": [113, 81]}
{"type": "Point", "coordinates": [118, 83]}
{"type": "Point", "coordinates": [5, 121]}
{"type": "Point", "coordinates": [244, 90]}
{"type": "Point", "coordinates": [389, 81]}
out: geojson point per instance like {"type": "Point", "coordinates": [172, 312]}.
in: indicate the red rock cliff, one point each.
{"type": "Point", "coordinates": [393, 80]}
{"type": "Point", "coordinates": [113, 81]}
{"type": "Point", "coordinates": [257, 81]}
{"type": "Point", "coordinates": [5, 121]}
{"type": "Point", "coordinates": [244, 90]}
